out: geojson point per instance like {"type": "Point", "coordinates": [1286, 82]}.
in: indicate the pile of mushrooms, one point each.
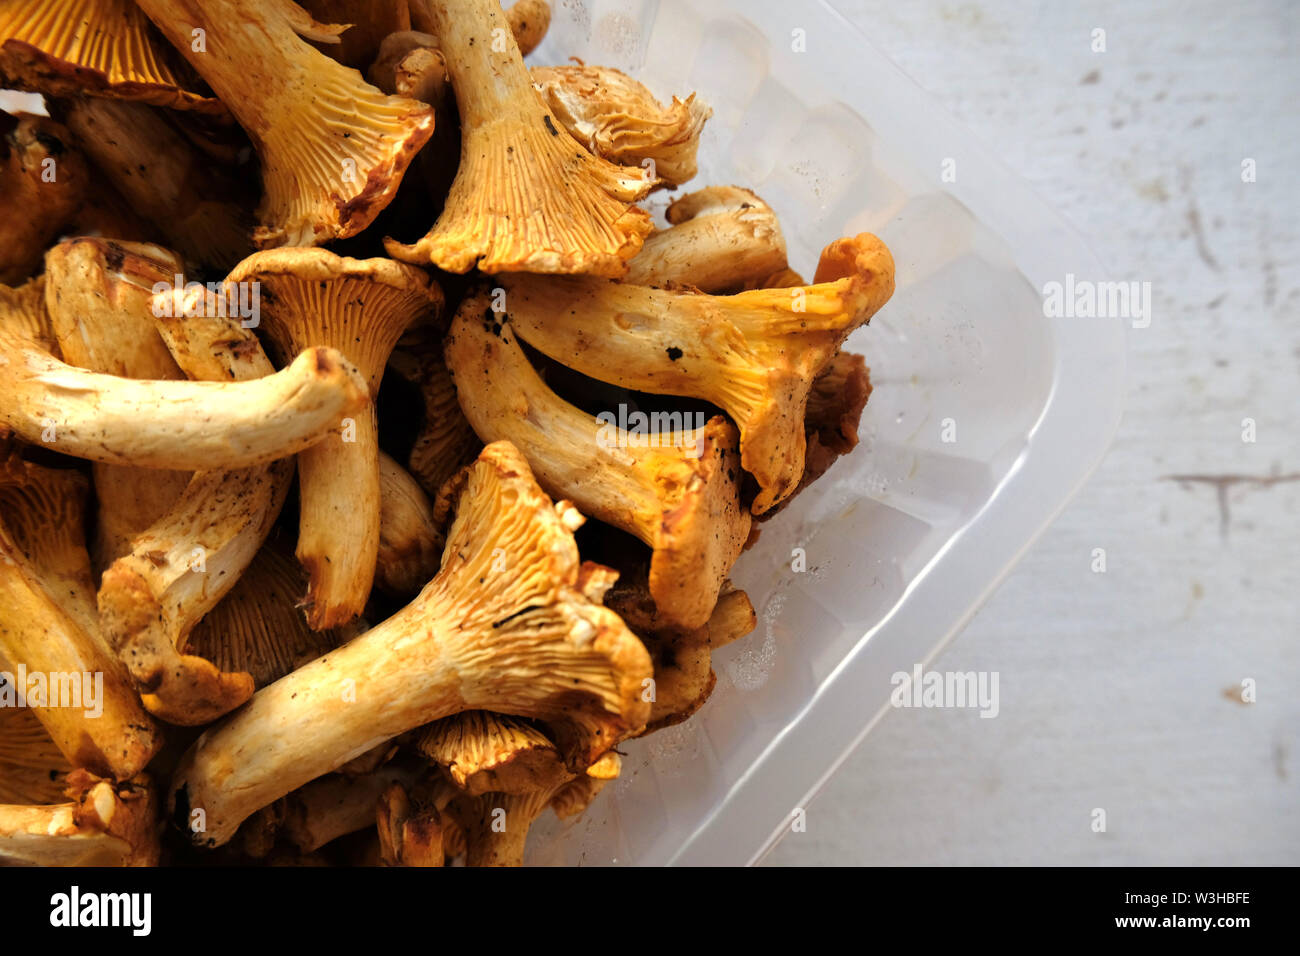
{"type": "Point", "coordinates": [324, 329]}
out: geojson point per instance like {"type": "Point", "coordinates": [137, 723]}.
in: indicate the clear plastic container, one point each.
{"type": "Point", "coordinates": [906, 537]}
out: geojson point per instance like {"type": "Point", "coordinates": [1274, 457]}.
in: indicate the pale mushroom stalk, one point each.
{"type": "Point", "coordinates": [99, 299]}
{"type": "Point", "coordinates": [511, 624]}
{"type": "Point", "coordinates": [177, 571]}
{"type": "Point", "coordinates": [75, 686]}
{"type": "Point", "coordinates": [174, 425]}
{"type": "Point", "coordinates": [183, 565]}
{"type": "Point", "coordinates": [43, 181]}
{"type": "Point", "coordinates": [676, 488]}
{"type": "Point", "coordinates": [528, 21]}
{"type": "Point", "coordinates": [527, 196]}
{"type": "Point", "coordinates": [195, 204]}
{"type": "Point", "coordinates": [721, 238]}
{"type": "Point", "coordinates": [323, 810]}
{"type": "Point", "coordinates": [618, 119]}
{"type": "Point", "coordinates": [753, 354]}
{"type": "Point", "coordinates": [104, 48]}
{"type": "Point", "coordinates": [101, 824]}
{"type": "Point", "coordinates": [333, 148]}
{"type": "Point", "coordinates": [312, 297]}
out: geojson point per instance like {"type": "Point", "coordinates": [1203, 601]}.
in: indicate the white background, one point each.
{"type": "Point", "coordinates": [1121, 690]}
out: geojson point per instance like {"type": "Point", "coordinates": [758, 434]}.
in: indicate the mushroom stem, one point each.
{"type": "Point", "coordinates": [99, 297]}
{"type": "Point", "coordinates": [528, 21]}
{"type": "Point", "coordinates": [338, 489]}
{"type": "Point", "coordinates": [496, 824]}
{"type": "Point", "coordinates": [323, 810]}
{"type": "Point", "coordinates": [753, 354]}
{"type": "Point", "coordinates": [177, 571]}
{"type": "Point", "coordinates": [176, 425]}
{"type": "Point", "coordinates": [532, 642]}
{"type": "Point", "coordinates": [676, 488]}
{"type": "Point", "coordinates": [42, 183]}
{"type": "Point", "coordinates": [191, 202]}
{"type": "Point", "coordinates": [101, 825]}
{"type": "Point", "coordinates": [361, 307]}
{"type": "Point", "coordinates": [64, 670]}
{"type": "Point", "coordinates": [527, 196]}
{"type": "Point", "coordinates": [410, 834]}
{"type": "Point", "coordinates": [409, 542]}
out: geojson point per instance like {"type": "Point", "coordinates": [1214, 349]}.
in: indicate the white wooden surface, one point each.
{"type": "Point", "coordinates": [1121, 690]}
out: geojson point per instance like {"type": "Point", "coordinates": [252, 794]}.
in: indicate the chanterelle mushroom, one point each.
{"type": "Point", "coordinates": [177, 425]}
{"type": "Point", "coordinates": [333, 148]}
{"type": "Point", "coordinates": [324, 810]}
{"type": "Point", "coordinates": [94, 47]}
{"type": "Point", "coordinates": [23, 314]}
{"type": "Point", "coordinates": [412, 831]}
{"type": "Point", "coordinates": [446, 441]}
{"type": "Point", "coordinates": [311, 298]}
{"type": "Point", "coordinates": [481, 752]}
{"type": "Point", "coordinates": [617, 118]}
{"type": "Point", "coordinates": [409, 543]}
{"type": "Point", "coordinates": [31, 767]}
{"type": "Point", "coordinates": [176, 572]}
{"type": "Point", "coordinates": [511, 624]}
{"type": "Point", "coordinates": [528, 21]}
{"type": "Point", "coordinates": [676, 488]}
{"type": "Point", "coordinates": [101, 824]}
{"type": "Point", "coordinates": [198, 206]}
{"type": "Point", "coordinates": [180, 567]}
{"type": "Point", "coordinates": [99, 299]}
{"type": "Point", "coordinates": [683, 659]}
{"type": "Point", "coordinates": [42, 183]}
{"type": "Point", "coordinates": [835, 404]}
{"type": "Point", "coordinates": [48, 631]}
{"type": "Point", "coordinates": [496, 824]}
{"type": "Point", "coordinates": [527, 196]}
{"type": "Point", "coordinates": [721, 238]}
{"type": "Point", "coordinates": [753, 354]}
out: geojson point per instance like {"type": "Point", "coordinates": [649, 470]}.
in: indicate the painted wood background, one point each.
{"type": "Point", "coordinates": [1122, 690]}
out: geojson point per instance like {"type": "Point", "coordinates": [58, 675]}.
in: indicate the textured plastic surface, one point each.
{"type": "Point", "coordinates": [906, 537]}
